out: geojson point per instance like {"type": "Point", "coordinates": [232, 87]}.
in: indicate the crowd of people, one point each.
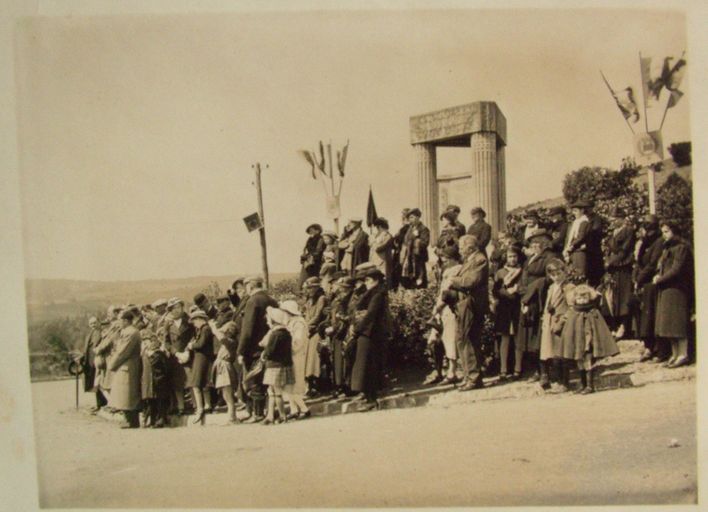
{"type": "Point", "coordinates": [560, 292]}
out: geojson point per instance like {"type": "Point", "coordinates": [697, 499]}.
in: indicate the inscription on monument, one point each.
{"type": "Point", "coordinates": [458, 121]}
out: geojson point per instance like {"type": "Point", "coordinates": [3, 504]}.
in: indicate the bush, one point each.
{"type": "Point", "coordinates": [674, 201]}
{"type": "Point", "coordinates": [598, 183]}
{"type": "Point", "coordinates": [681, 153]}
{"type": "Point", "coordinates": [286, 289]}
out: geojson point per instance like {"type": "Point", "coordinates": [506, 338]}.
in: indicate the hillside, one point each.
{"type": "Point", "coordinates": [47, 299]}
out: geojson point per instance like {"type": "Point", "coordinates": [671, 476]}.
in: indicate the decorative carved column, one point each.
{"type": "Point", "coordinates": [485, 176]}
{"type": "Point", "coordinates": [428, 187]}
{"type": "Point", "coordinates": [501, 170]}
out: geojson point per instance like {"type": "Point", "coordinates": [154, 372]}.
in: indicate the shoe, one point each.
{"type": "Point", "coordinates": [199, 418]}
{"type": "Point", "coordinates": [503, 377]}
{"type": "Point", "coordinates": [303, 415]}
{"type": "Point", "coordinates": [358, 398]}
{"type": "Point", "coordinates": [234, 421]}
{"type": "Point", "coordinates": [680, 361]}
{"type": "Point", "coordinates": [251, 419]}
{"type": "Point", "coordinates": [368, 406]}
{"type": "Point", "coordinates": [292, 416]}
{"type": "Point", "coordinates": [534, 378]}
{"type": "Point", "coordinates": [209, 410]}
{"type": "Point", "coordinates": [267, 421]}
{"type": "Point", "coordinates": [449, 380]}
{"type": "Point", "coordinates": [432, 381]}
{"type": "Point", "coordinates": [471, 385]}
{"type": "Point", "coordinates": [670, 362]}
{"type": "Point", "coordinates": [127, 426]}
{"type": "Point", "coordinates": [587, 390]}
{"type": "Point", "coordinates": [516, 376]}
{"type": "Point", "coordinates": [240, 407]}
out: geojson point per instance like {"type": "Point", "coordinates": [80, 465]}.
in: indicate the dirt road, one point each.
{"type": "Point", "coordinates": [607, 448]}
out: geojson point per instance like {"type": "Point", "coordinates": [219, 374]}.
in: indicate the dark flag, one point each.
{"type": "Point", "coordinates": [370, 210]}
{"type": "Point", "coordinates": [625, 101]}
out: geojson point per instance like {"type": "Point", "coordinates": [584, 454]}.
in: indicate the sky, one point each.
{"type": "Point", "coordinates": [138, 133]}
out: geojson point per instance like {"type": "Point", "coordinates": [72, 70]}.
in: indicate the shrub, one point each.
{"type": "Point", "coordinates": [674, 201]}
{"type": "Point", "coordinates": [681, 153]}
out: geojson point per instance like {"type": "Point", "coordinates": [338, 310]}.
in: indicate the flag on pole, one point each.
{"type": "Point", "coordinates": [625, 101]}
{"type": "Point", "coordinates": [651, 82]}
{"type": "Point", "coordinates": [321, 161]}
{"type": "Point", "coordinates": [370, 210]}
{"type": "Point", "coordinates": [310, 158]}
{"type": "Point", "coordinates": [673, 81]}
{"type": "Point", "coordinates": [342, 159]}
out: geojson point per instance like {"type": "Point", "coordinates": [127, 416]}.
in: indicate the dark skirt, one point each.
{"type": "Point", "coordinates": [338, 361]}
{"type": "Point", "coordinates": [672, 311]}
{"type": "Point", "coordinates": [199, 375]}
{"type": "Point", "coordinates": [89, 373]}
{"type": "Point", "coordinates": [586, 332]}
{"type": "Point", "coordinates": [367, 365]}
{"type": "Point", "coordinates": [621, 292]}
{"type": "Point", "coordinates": [506, 316]}
{"type": "Point", "coordinates": [528, 333]}
{"type": "Point", "coordinates": [177, 372]}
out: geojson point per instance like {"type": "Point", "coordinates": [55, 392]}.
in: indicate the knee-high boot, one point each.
{"type": "Point", "coordinates": [545, 374]}
{"type": "Point", "coordinates": [583, 380]}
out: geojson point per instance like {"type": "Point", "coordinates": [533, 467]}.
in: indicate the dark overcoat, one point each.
{"type": "Point", "coordinates": [93, 338]}
{"type": "Point", "coordinates": [414, 255]}
{"type": "Point", "coordinates": [482, 232]}
{"type": "Point", "coordinates": [254, 325]}
{"type": "Point", "coordinates": [532, 289]}
{"type": "Point", "coordinates": [176, 338]}
{"type": "Point", "coordinates": [370, 331]}
{"type": "Point", "coordinates": [647, 259]}
{"type": "Point", "coordinates": [596, 267]}
{"type": "Point", "coordinates": [675, 289]}
{"type": "Point", "coordinates": [311, 258]}
{"type": "Point", "coordinates": [508, 307]}
{"type": "Point", "coordinates": [619, 265]}
{"type": "Point", "coordinates": [125, 364]}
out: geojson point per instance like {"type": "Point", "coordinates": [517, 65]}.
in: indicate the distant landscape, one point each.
{"type": "Point", "coordinates": [50, 299]}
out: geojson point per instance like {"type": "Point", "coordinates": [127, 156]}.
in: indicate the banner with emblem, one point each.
{"type": "Point", "coordinates": [648, 148]}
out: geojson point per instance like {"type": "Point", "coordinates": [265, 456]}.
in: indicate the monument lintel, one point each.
{"type": "Point", "coordinates": [450, 126]}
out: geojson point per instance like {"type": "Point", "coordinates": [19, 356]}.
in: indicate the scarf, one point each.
{"type": "Point", "coordinates": [511, 274]}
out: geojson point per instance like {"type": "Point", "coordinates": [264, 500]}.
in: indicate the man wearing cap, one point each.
{"type": "Point", "coordinates": [458, 226]}
{"type": "Point", "coordinates": [471, 281]}
{"type": "Point", "coordinates": [253, 328]}
{"type": "Point", "coordinates": [204, 304]}
{"type": "Point", "coordinates": [338, 323]}
{"type": "Point", "coordinates": [479, 228]}
{"type": "Point", "coordinates": [315, 314]}
{"type": "Point", "coordinates": [105, 349]}
{"type": "Point", "coordinates": [125, 363]}
{"type": "Point", "coordinates": [176, 333]}
{"type": "Point", "coordinates": [414, 254]}
{"type": "Point", "coordinates": [382, 250]}
{"type": "Point", "coordinates": [159, 310]}
{"type": "Point", "coordinates": [355, 245]}
{"type": "Point", "coordinates": [88, 362]}
{"type": "Point", "coordinates": [575, 249]}
{"type": "Point", "coordinates": [558, 226]}
{"type": "Point", "coordinates": [312, 254]}
{"type": "Point", "coordinates": [398, 247]}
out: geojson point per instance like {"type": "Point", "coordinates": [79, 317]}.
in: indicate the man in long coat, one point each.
{"type": "Point", "coordinates": [355, 246]}
{"type": "Point", "coordinates": [558, 226]}
{"type": "Point", "coordinates": [312, 254]}
{"type": "Point", "coordinates": [126, 365]}
{"type": "Point", "coordinates": [576, 246]}
{"type": "Point", "coordinates": [480, 229]}
{"type": "Point", "coordinates": [88, 363]}
{"type": "Point", "coordinates": [253, 328]}
{"type": "Point", "coordinates": [472, 285]}
{"type": "Point", "coordinates": [414, 254]}
{"type": "Point", "coordinates": [398, 247]}
{"type": "Point", "coordinates": [176, 332]}
{"type": "Point", "coordinates": [596, 267]}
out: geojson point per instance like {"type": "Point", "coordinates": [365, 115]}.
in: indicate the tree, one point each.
{"type": "Point", "coordinates": [598, 183]}
{"type": "Point", "coordinates": [674, 202]}
{"type": "Point", "coordinates": [681, 153]}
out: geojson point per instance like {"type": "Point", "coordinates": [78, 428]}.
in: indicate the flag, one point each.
{"type": "Point", "coordinates": [370, 210]}
{"type": "Point", "coordinates": [673, 81]}
{"type": "Point", "coordinates": [651, 82]}
{"type": "Point", "coordinates": [321, 161]}
{"type": "Point", "coordinates": [342, 159]}
{"type": "Point", "coordinates": [310, 158]}
{"type": "Point", "coordinates": [624, 100]}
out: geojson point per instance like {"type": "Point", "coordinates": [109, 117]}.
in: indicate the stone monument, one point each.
{"type": "Point", "coordinates": [480, 126]}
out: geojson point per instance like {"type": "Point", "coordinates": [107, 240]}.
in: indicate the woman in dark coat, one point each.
{"type": "Point", "coordinates": [311, 258]}
{"type": "Point", "coordinates": [202, 347]}
{"type": "Point", "coordinates": [506, 317]}
{"type": "Point", "coordinates": [531, 289]}
{"type": "Point", "coordinates": [337, 330]}
{"type": "Point", "coordinates": [370, 330]}
{"type": "Point", "coordinates": [674, 281]}
{"type": "Point", "coordinates": [620, 246]}
{"type": "Point", "coordinates": [648, 254]}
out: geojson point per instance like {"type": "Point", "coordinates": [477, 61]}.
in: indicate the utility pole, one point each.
{"type": "Point", "coordinates": [261, 231]}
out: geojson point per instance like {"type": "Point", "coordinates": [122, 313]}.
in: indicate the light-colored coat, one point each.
{"type": "Point", "coordinates": [126, 365]}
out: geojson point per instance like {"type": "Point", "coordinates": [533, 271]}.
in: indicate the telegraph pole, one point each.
{"type": "Point", "coordinates": [261, 231]}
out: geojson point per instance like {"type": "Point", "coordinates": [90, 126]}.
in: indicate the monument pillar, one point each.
{"type": "Point", "coordinates": [485, 175]}
{"type": "Point", "coordinates": [427, 187]}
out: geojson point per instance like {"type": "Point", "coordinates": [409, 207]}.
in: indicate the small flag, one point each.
{"type": "Point", "coordinates": [370, 210]}
{"type": "Point", "coordinates": [673, 81]}
{"type": "Point", "coordinates": [625, 101]}
{"type": "Point", "coordinates": [321, 161]}
{"type": "Point", "coordinates": [342, 159]}
{"type": "Point", "coordinates": [310, 158]}
{"type": "Point", "coordinates": [651, 82]}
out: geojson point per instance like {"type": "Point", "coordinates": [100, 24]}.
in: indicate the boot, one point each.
{"type": "Point", "coordinates": [565, 374]}
{"type": "Point", "coordinates": [545, 377]}
{"type": "Point", "coordinates": [583, 381]}
{"type": "Point", "coordinates": [589, 387]}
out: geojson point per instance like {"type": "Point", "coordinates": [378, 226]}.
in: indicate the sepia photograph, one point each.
{"type": "Point", "coordinates": [331, 256]}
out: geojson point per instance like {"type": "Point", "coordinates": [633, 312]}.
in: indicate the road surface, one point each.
{"type": "Point", "coordinates": [606, 448]}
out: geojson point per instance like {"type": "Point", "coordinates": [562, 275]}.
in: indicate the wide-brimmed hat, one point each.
{"type": "Point", "coordinates": [557, 210]}
{"type": "Point", "coordinates": [277, 315]}
{"type": "Point", "coordinates": [313, 226]}
{"type": "Point", "coordinates": [415, 212]}
{"type": "Point", "coordinates": [200, 299]}
{"type": "Point", "coordinates": [449, 215]}
{"type": "Point", "coordinates": [312, 282]}
{"type": "Point", "coordinates": [478, 211]}
{"type": "Point", "coordinates": [453, 208]}
{"type": "Point", "coordinates": [380, 222]}
{"type": "Point", "coordinates": [581, 203]}
{"type": "Point", "coordinates": [198, 313]}
{"type": "Point", "coordinates": [291, 307]}
{"type": "Point", "coordinates": [540, 233]}
{"type": "Point", "coordinates": [345, 282]}
{"type": "Point", "coordinates": [174, 301]}
{"type": "Point", "coordinates": [158, 303]}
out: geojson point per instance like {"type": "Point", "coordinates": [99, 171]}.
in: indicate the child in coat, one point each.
{"type": "Point", "coordinates": [155, 382]}
{"type": "Point", "coordinates": [585, 336]}
{"type": "Point", "coordinates": [278, 358]}
{"type": "Point", "coordinates": [554, 310]}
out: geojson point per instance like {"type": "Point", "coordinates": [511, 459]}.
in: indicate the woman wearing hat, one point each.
{"type": "Point", "coordinates": [575, 249]}
{"type": "Point", "coordinates": [674, 280]}
{"type": "Point", "coordinates": [620, 256]}
{"type": "Point", "coordinates": [311, 258]}
{"type": "Point", "coordinates": [370, 330]}
{"type": "Point", "coordinates": [531, 289]}
{"type": "Point", "coordinates": [125, 365]}
{"type": "Point", "coordinates": [278, 358]}
{"type": "Point", "coordinates": [381, 253]}
{"type": "Point", "coordinates": [354, 246]}
{"type": "Point", "coordinates": [337, 330]}
{"type": "Point", "coordinates": [176, 333]}
{"type": "Point", "coordinates": [295, 392]}
{"type": "Point", "coordinates": [508, 307]}
{"type": "Point", "coordinates": [414, 254]}
{"type": "Point", "coordinates": [315, 314]}
{"type": "Point", "coordinates": [202, 348]}
{"type": "Point", "coordinates": [398, 247]}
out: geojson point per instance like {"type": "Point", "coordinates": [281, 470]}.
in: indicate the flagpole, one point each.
{"type": "Point", "coordinates": [613, 95]}
{"type": "Point", "coordinates": [644, 96]}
